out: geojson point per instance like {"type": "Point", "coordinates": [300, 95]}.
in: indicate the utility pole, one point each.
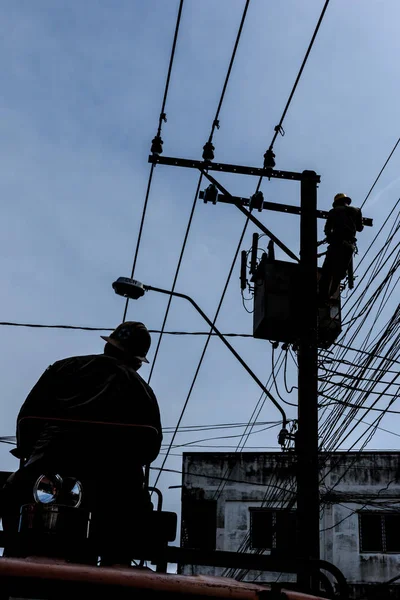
{"type": "Point", "coordinates": [307, 534]}
{"type": "Point", "coordinates": [307, 436]}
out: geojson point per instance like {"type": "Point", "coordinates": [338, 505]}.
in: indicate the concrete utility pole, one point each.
{"type": "Point", "coordinates": [307, 534]}
{"type": "Point", "coordinates": [307, 437]}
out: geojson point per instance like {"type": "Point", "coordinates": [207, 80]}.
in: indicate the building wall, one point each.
{"type": "Point", "coordinates": [360, 482]}
{"type": "Point", "coordinates": [352, 482]}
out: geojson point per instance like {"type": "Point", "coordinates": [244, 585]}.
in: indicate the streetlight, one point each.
{"type": "Point", "coordinates": [130, 288]}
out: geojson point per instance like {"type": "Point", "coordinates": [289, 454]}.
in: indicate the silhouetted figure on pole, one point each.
{"type": "Point", "coordinates": [340, 229]}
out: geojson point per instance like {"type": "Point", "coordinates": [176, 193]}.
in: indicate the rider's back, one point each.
{"type": "Point", "coordinates": [96, 388]}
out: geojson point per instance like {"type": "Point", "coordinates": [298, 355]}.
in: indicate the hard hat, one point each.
{"type": "Point", "coordinates": [131, 337]}
{"type": "Point", "coordinates": [341, 199]}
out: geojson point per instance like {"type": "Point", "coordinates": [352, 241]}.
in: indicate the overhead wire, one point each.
{"type": "Point", "coordinates": [261, 178]}
{"type": "Point", "coordinates": [197, 193]}
{"type": "Point", "coordinates": [84, 328]}
{"type": "Point", "coordinates": [370, 355]}
{"type": "Point", "coordinates": [224, 437]}
{"type": "Point", "coordinates": [380, 172]}
{"type": "Point", "coordinates": [214, 125]}
{"type": "Point", "coordinates": [162, 118]}
{"type": "Point", "coordinates": [278, 128]}
{"type": "Point", "coordinates": [274, 378]}
{"type": "Point", "coordinates": [243, 441]}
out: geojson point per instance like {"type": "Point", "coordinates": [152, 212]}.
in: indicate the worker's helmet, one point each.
{"type": "Point", "coordinates": [341, 199]}
{"type": "Point", "coordinates": [131, 337]}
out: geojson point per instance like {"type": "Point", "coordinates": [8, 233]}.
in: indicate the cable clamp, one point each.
{"type": "Point", "coordinates": [279, 129]}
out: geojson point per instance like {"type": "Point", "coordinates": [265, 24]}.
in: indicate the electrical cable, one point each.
{"type": "Point", "coordinates": [216, 477]}
{"type": "Point", "coordinates": [183, 248]}
{"type": "Point", "coordinates": [278, 128]}
{"type": "Point", "coordinates": [204, 349]}
{"type": "Point", "coordinates": [371, 354]}
{"type": "Point", "coordinates": [243, 441]}
{"type": "Point", "coordinates": [83, 328]}
{"type": "Point", "coordinates": [224, 437]}
{"type": "Point", "coordinates": [161, 119]}
{"type": "Point", "coordinates": [238, 249]}
{"type": "Point", "coordinates": [214, 125]}
{"type": "Point", "coordinates": [274, 378]}
{"type": "Point", "coordinates": [380, 172]}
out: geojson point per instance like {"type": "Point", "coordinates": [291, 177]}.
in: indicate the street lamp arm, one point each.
{"type": "Point", "coordinates": [227, 344]}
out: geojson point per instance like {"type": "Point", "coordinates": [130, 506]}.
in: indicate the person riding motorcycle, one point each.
{"type": "Point", "coordinates": [342, 223]}
{"type": "Point", "coordinates": [105, 392]}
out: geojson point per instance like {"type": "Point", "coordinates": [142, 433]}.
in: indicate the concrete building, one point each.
{"type": "Point", "coordinates": [236, 502]}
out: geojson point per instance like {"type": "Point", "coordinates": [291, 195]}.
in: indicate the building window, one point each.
{"type": "Point", "coordinates": [273, 530]}
{"type": "Point", "coordinates": [379, 532]}
{"type": "Point", "coordinates": [199, 524]}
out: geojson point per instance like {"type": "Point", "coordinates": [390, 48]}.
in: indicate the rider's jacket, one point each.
{"type": "Point", "coordinates": [342, 224]}
{"type": "Point", "coordinates": [96, 388]}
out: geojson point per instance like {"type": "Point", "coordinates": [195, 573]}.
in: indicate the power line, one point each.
{"type": "Point", "coordinates": [176, 275]}
{"type": "Point", "coordinates": [370, 355]}
{"type": "Point", "coordinates": [216, 477]}
{"type": "Point", "coordinates": [247, 220]}
{"type": "Point", "coordinates": [161, 119]}
{"type": "Point", "coordinates": [212, 427]}
{"type": "Point", "coordinates": [364, 352]}
{"type": "Point", "coordinates": [274, 378]}
{"type": "Point", "coordinates": [84, 328]}
{"type": "Point", "coordinates": [204, 350]}
{"type": "Point", "coordinates": [367, 408]}
{"type": "Point", "coordinates": [244, 438]}
{"type": "Point", "coordinates": [278, 128]}
{"type": "Point", "coordinates": [214, 125]}
{"type": "Point", "coordinates": [380, 172]}
{"type": "Point", "coordinates": [237, 251]}
{"type": "Point", "coordinates": [224, 437]}
{"type": "Point", "coordinates": [228, 74]}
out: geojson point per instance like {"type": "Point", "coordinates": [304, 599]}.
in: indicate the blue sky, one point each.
{"type": "Point", "coordinates": [82, 85]}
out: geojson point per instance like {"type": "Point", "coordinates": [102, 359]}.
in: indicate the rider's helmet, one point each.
{"type": "Point", "coordinates": [131, 337]}
{"type": "Point", "coordinates": [341, 200]}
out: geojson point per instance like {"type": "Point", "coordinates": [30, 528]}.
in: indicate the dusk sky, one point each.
{"type": "Point", "coordinates": [82, 86]}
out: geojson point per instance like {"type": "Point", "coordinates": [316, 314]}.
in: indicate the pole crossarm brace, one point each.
{"type": "Point", "coordinates": [226, 168]}
{"type": "Point", "coordinates": [275, 206]}
{"type": "Point", "coordinates": [251, 217]}
{"type": "Point", "coordinates": [227, 344]}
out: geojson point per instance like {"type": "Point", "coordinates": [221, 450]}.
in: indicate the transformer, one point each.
{"type": "Point", "coordinates": [277, 310]}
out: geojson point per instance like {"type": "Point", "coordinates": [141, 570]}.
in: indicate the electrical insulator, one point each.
{"type": "Point", "coordinates": [282, 437]}
{"type": "Point", "coordinates": [269, 161]}
{"type": "Point", "coordinates": [208, 151]}
{"type": "Point", "coordinates": [211, 194]}
{"type": "Point", "coordinates": [156, 145]}
{"type": "Point", "coordinates": [257, 201]}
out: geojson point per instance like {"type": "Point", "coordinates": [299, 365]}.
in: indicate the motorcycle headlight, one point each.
{"type": "Point", "coordinates": [71, 492]}
{"type": "Point", "coordinates": [47, 489]}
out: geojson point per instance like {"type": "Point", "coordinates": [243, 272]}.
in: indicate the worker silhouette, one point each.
{"type": "Point", "coordinates": [99, 388]}
{"type": "Point", "coordinates": [340, 229]}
